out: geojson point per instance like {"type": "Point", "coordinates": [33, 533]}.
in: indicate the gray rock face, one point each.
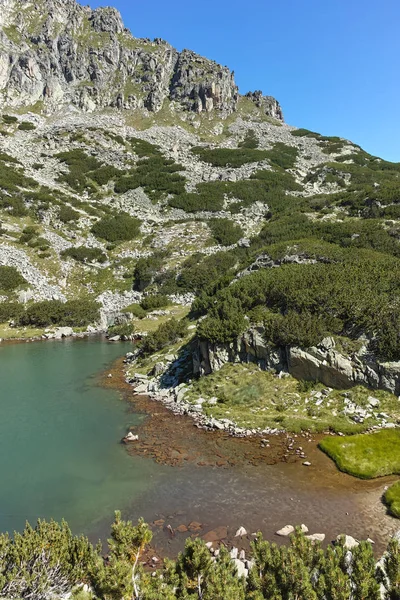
{"type": "Point", "coordinates": [322, 363]}
{"type": "Point", "coordinates": [269, 105]}
{"type": "Point", "coordinates": [202, 85]}
{"type": "Point", "coordinates": [55, 52]}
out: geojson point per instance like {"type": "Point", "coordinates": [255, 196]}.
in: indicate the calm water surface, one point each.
{"type": "Point", "coordinates": [59, 434]}
{"type": "Point", "coordinates": [60, 457]}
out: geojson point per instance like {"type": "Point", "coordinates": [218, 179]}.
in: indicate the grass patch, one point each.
{"type": "Point", "coordinates": [258, 399]}
{"type": "Point", "coordinates": [19, 333]}
{"type": "Point", "coordinates": [365, 456]}
{"type": "Point", "coordinates": [392, 499]}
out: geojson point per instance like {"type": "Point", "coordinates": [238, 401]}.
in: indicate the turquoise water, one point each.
{"type": "Point", "coordinates": [59, 436]}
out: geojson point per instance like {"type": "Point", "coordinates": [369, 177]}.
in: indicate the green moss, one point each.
{"type": "Point", "coordinates": [365, 456]}
{"type": "Point", "coordinates": [392, 499]}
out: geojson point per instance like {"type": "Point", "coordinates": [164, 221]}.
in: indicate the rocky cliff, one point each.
{"type": "Point", "coordinates": [324, 363]}
{"type": "Point", "coordinates": [55, 52]}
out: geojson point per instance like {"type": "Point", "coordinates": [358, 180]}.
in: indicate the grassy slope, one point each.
{"type": "Point", "coordinates": [366, 456]}
{"type": "Point", "coordinates": [254, 398]}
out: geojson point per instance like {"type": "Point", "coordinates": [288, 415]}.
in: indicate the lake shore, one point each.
{"type": "Point", "coordinates": [227, 482]}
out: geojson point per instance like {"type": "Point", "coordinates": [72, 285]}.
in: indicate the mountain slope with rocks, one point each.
{"type": "Point", "coordinates": [137, 184]}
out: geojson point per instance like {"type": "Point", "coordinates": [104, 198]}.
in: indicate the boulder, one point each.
{"type": "Point", "coordinates": [130, 437]}
{"type": "Point", "coordinates": [241, 569]}
{"type": "Point", "coordinates": [285, 531]}
{"type": "Point", "coordinates": [63, 332]}
{"type": "Point", "coordinates": [316, 537]}
{"type": "Point", "coordinates": [348, 541]}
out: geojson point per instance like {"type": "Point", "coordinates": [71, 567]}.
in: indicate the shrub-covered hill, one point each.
{"type": "Point", "coordinates": [256, 221]}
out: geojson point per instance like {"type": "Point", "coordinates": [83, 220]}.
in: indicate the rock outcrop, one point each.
{"type": "Point", "coordinates": [323, 363]}
{"type": "Point", "coordinates": [269, 105]}
{"type": "Point", "coordinates": [55, 52]}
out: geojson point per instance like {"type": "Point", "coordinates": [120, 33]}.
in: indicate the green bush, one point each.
{"type": "Point", "coordinates": [47, 560]}
{"type": "Point", "coordinates": [301, 329]}
{"type": "Point", "coordinates": [224, 323]}
{"type": "Point", "coordinates": [9, 119]}
{"type": "Point", "coordinates": [80, 165]}
{"type": "Point", "coordinates": [73, 313]}
{"type": "Point", "coordinates": [282, 155]}
{"type": "Point", "coordinates": [199, 272]}
{"type": "Point", "coordinates": [265, 186]}
{"type": "Point", "coordinates": [14, 206]}
{"type": "Point", "coordinates": [67, 214]}
{"type": "Point", "coordinates": [4, 157]}
{"type": "Point", "coordinates": [10, 311]}
{"type": "Point", "coordinates": [125, 330]}
{"type": "Point", "coordinates": [146, 270]}
{"type": "Point", "coordinates": [26, 126]}
{"type": "Point", "coordinates": [157, 175]}
{"type": "Point", "coordinates": [144, 149]}
{"type": "Point", "coordinates": [305, 133]}
{"type": "Point", "coordinates": [137, 311]}
{"type": "Point", "coordinates": [120, 228]}
{"type": "Point", "coordinates": [155, 301]}
{"type": "Point", "coordinates": [348, 292]}
{"type": "Point", "coordinates": [10, 279]}
{"type": "Point", "coordinates": [85, 255]}
{"type": "Point", "coordinates": [166, 334]}
{"type": "Point", "coordinates": [250, 140]}
{"type": "Point", "coordinates": [225, 231]}
{"type": "Point", "coordinates": [105, 174]}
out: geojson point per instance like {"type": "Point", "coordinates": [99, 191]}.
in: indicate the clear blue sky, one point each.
{"type": "Point", "coordinates": [332, 64]}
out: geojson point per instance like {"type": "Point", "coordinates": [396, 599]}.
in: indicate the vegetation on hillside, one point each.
{"type": "Point", "coordinates": [73, 313]}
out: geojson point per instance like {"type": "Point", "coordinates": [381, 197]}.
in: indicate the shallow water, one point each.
{"type": "Point", "coordinates": [60, 456]}
{"type": "Point", "coordinates": [59, 436]}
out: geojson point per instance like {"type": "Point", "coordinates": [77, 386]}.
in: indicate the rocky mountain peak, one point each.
{"type": "Point", "coordinates": [57, 52]}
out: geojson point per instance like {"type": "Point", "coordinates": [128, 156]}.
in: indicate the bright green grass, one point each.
{"type": "Point", "coordinates": [392, 499]}
{"type": "Point", "coordinates": [366, 456]}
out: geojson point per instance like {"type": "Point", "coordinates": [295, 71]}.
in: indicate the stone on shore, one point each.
{"type": "Point", "coordinates": [241, 569]}
{"type": "Point", "coordinates": [285, 531]}
{"type": "Point", "coordinates": [241, 532]}
{"type": "Point", "coordinates": [348, 541]}
{"type": "Point", "coordinates": [316, 537]}
{"type": "Point", "coordinates": [130, 437]}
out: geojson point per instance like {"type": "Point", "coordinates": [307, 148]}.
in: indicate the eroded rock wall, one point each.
{"type": "Point", "coordinates": [323, 363]}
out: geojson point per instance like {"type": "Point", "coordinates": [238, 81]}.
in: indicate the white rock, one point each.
{"type": "Point", "coordinates": [63, 332]}
{"type": "Point", "coordinates": [141, 389]}
{"type": "Point", "coordinates": [241, 569]}
{"type": "Point", "coordinates": [241, 532]}
{"type": "Point", "coordinates": [234, 553]}
{"type": "Point", "coordinates": [349, 541]}
{"type": "Point", "coordinates": [130, 437]}
{"type": "Point", "coordinates": [304, 528]}
{"type": "Point", "coordinates": [285, 531]}
{"type": "Point", "coordinates": [316, 537]}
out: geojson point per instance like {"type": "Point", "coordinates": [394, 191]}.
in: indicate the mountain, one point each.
{"type": "Point", "coordinates": [58, 52]}
{"type": "Point", "coordinates": [137, 178]}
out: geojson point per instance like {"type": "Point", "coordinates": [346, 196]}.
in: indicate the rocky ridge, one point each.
{"type": "Point", "coordinates": [56, 52]}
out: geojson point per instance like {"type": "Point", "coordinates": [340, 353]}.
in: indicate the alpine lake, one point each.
{"type": "Point", "coordinates": [61, 457]}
